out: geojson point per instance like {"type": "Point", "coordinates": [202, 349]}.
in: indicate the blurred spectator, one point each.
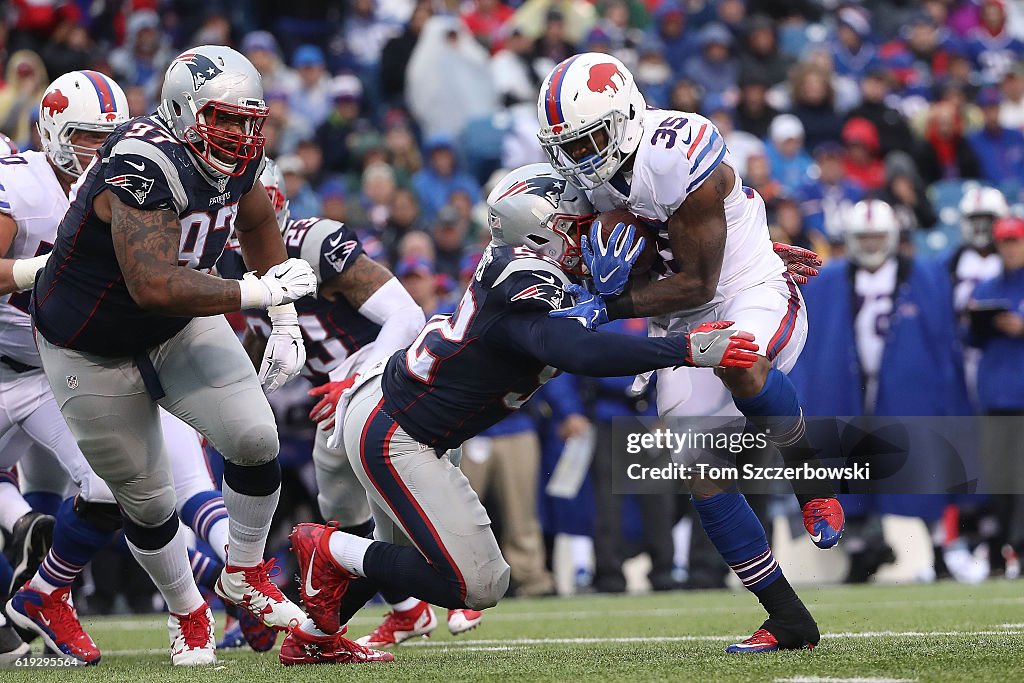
{"type": "Point", "coordinates": [893, 131]}
{"type": "Point", "coordinates": [786, 224]}
{"type": "Point", "coordinates": [553, 45]}
{"type": "Point", "coordinates": [284, 128]}
{"type": "Point", "coordinates": [312, 98]}
{"type": "Point", "coordinates": [990, 44]}
{"type": "Point", "coordinates": [403, 218]}
{"type": "Point", "coordinates": [378, 193]}
{"type": "Point", "coordinates": [852, 51]}
{"type": "Point", "coordinates": [516, 79]}
{"type": "Point", "coordinates": [760, 177]}
{"type": "Point", "coordinates": [732, 13]}
{"type": "Point", "coordinates": [823, 199]}
{"type": "Point", "coordinates": [262, 50]}
{"type": "Point", "coordinates": [448, 81]}
{"type": "Point", "coordinates": [403, 152]}
{"type": "Point", "coordinates": [139, 102]}
{"type": "Point", "coordinates": [556, 21]}
{"type": "Point", "coordinates": [312, 160]}
{"type": "Point", "coordinates": [485, 18]}
{"type": "Point", "coordinates": [145, 54]}
{"type": "Point", "coordinates": [70, 47]}
{"type": "Point", "coordinates": [715, 69]}
{"type": "Point", "coordinates": [760, 55]}
{"type": "Point", "coordinates": [303, 202]}
{"type": "Point", "coordinates": [790, 163]}
{"type": "Point", "coordinates": [215, 28]}
{"type": "Point", "coordinates": [947, 153]}
{"type": "Point", "coordinates": [394, 58]}
{"type": "Point", "coordinates": [753, 112]}
{"type": "Point", "coordinates": [999, 150]}
{"type": "Point", "coordinates": [416, 243]}
{"type": "Point", "coordinates": [449, 231]}
{"type": "Point", "coordinates": [332, 135]}
{"type": "Point", "coordinates": [25, 81]}
{"type": "Point", "coordinates": [616, 23]}
{"type": "Point", "coordinates": [920, 57]}
{"type": "Point", "coordinates": [333, 198]}
{"type": "Point", "coordinates": [863, 163]}
{"type": "Point", "coordinates": [670, 29]}
{"type": "Point", "coordinates": [416, 273]}
{"type": "Point", "coordinates": [436, 181]}
{"type": "Point", "coordinates": [366, 33]}
{"type": "Point", "coordinates": [741, 144]}
{"type": "Point", "coordinates": [685, 96]}
{"type": "Point", "coordinates": [905, 193]}
{"type": "Point", "coordinates": [653, 75]}
{"type": "Point", "coordinates": [1011, 111]}
{"type": "Point", "coordinates": [814, 104]}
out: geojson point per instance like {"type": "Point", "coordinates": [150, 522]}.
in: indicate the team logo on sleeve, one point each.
{"type": "Point", "coordinates": [201, 66]}
{"type": "Point", "coordinates": [548, 291]}
{"type": "Point", "coordinates": [138, 186]}
{"type": "Point", "coordinates": [338, 252]}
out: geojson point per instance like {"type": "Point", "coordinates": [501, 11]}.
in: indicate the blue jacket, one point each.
{"type": "Point", "coordinates": [1000, 153]}
{"type": "Point", "coordinates": [1001, 369]}
{"type": "Point", "coordinates": [920, 364]}
{"type": "Point", "coordinates": [791, 172]}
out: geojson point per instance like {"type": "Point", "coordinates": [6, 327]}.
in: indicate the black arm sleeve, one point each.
{"type": "Point", "coordinates": [567, 345]}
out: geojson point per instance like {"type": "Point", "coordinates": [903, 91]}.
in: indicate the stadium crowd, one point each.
{"type": "Point", "coordinates": [396, 116]}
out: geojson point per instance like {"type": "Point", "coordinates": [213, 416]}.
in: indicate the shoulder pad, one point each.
{"type": "Point", "coordinates": [526, 280]}
{"type": "Point", "coordinates": [140, 174]}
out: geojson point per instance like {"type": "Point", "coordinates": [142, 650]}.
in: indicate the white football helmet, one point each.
{"type": "Point", "coordinates": [979, 208]}
{"type": "Point", "coordinates": [78, 101]}
{"type": "Point", "coordinates": [201, 87]}
{"type": "Point", "coordinates": [872, 233]}
{"type": "Point", "coordinates": [534, 207]}
{"type": "Point", "coordinates": [584, 96]}
{"type": "Point", "coordinates": [273, 181]}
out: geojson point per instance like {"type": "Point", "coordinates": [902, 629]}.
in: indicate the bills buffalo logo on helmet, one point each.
{"type": "Point", "coordinates": [136, 184]}
{"type": "Point", "coordinates": [202, 67]}
{"type": "Point", "coordinates": [546, 187]}
{"type": "Point", "coordinates": [603, 78]}
{"type": "Point", "coordinates": [54, 102]}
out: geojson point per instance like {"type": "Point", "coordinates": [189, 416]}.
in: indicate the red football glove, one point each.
{"type": "Point", "coordinates": [324, 412]}
{"type": "Point", "coordinates": [713, 346]}
{"type": "Point", "coordinates": [801, 263]}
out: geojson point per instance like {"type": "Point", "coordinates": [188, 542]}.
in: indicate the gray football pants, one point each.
{"type": "Point", "coordinates": [208, 382]}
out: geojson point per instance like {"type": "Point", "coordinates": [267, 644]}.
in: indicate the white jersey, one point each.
{"type": "Point", "coordinates": [972, 268]}
{"type": "Point", "coordinates": [678, 152]}
{"type": "Point", "coordinates": [30, 194]}
{"type": "Point", "coordinates": [875, 292]}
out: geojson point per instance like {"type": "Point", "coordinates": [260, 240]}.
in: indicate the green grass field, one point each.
{"type": "Point", "coordinates": [942, 632]}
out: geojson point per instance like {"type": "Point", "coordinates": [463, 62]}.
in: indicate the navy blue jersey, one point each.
{"type": "Point", "coordinates": [332, 330]}
{"type": "Point", "coordinates": [80, 299]}
{"type": "Point", "coordinates": [467, 371]}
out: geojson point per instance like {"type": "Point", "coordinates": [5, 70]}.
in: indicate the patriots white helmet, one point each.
{"type": "Point", "coordinates": [273, 181]}
{"type": "Point", "coordinates": [212, 98]}
{"type": "Point", "coordinates": [590, 113]}
{"type": "Point", "coordinates": [79, 101]}
{"type": "Point", "coordinates": [979, 208]}
{"type": "Point", "coordinates": [534, 207]}
{"type": "Point", "coordinates": [872, 233]}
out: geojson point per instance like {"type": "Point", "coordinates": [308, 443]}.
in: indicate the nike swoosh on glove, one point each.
{"type": "Point", "coordinates": [325, 412]}
{"type": "Point", "coordinates": [610, 263]}
{"type": "Point", "coordinates": [284, 283]}
{"type": "Point", "coordinates": [285, 353]}
{"type": "Point", "coordinates": [589, 310]}
{"type": "Point", "coordinates": [713, 345]}
{"type": "Point", "coordinates": [801, 263]}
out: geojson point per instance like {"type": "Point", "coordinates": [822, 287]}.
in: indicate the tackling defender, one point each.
{"type": "Point", "coordinates": [127, 320]}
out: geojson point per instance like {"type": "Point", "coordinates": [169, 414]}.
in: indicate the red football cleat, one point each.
{"type": "Point", "coordinates": [401, 626]}
{"type": "Point", "coordinates": [322, 581]}
{"type": "Point", "coordinates": [52, 616]}
{"type": "Point", "coordinates": [304, 648]}
{"type": "Point", "coordinates": [462, 620]}
{"type": "Point", "coordinates": [761, 641]}
{"type": "Point", "coordinates": [824, 521]}
{"type": "Point", "coordinates": [250, 589]}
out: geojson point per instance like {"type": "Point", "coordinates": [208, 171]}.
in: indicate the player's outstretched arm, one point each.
{"type": "Point", "coordinates": [146, 246]}
{"type": "Point", "coordinates": [697, 233]}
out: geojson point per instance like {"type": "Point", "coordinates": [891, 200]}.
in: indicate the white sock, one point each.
{"type": "Point", "coordinates": [249, 520]}
{"type": "Point", "coordinates": [14, 506]}
{"type": "Point", "coordinates": [405, 605]}
{"type": "Point", "coordinates": [172, 573]}
{"type": "Point", "coordinates": [349, 551]}
{"type": "Point", "coordinates": [40, 584]}
{"type": "Point", "coordinates": [218, 538]}
{"type": "Point", "coordinates": [309, 627]}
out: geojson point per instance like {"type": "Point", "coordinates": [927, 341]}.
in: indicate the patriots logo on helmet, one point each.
{"type": "Point", "coordinates": [546, 187]}
{"type": "Point", "coordinates": [202, 67]}
{"type": "Point", "coordinates": [339, 252]}
{"type": "Point", "coordinates": [138, 186]}
{"type": "Point", "coordinates": [550, 292]}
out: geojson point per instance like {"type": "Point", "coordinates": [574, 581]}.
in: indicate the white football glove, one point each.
{"type": "Point", "coordinates": [285, 353]}
{"type": "Point", "coordinates": [284, 283]}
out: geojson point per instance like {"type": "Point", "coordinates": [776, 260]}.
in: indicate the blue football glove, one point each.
{"type": "Point", "coordinates": [589, 310]}
{"type": "Point", "coordinates": [609, 264]}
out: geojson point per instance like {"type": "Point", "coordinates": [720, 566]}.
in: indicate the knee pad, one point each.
{"type": "Point", "coordinates": [254, 445]}
{"type": "Point", "coordinates": [144, 506]}
{"type": "Point", "coordinates": [104, 516]}
{"type": "Point", "coordinates": [491, 585]}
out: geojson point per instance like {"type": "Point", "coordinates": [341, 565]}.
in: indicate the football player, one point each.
{"type": "Point", "coordinates": [127, 319]}
{"type": "Point", "coordinates": [463, 373]}
{"type": "Point", "coordinates": [718, 262]}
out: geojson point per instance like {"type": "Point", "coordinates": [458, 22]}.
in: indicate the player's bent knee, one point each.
{"type": "Point", "coordinates": [490, 586]}
{"type": "Point", "coordinates": [254, 445]}
{"type": "Point", "coordinates": [146, 506]}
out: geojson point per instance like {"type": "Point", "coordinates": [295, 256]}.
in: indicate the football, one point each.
{"type": "Point", "coordinates": [644, 228]}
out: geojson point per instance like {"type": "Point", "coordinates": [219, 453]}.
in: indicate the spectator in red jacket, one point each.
{"type": "Point", "coordinates": [863, 164]}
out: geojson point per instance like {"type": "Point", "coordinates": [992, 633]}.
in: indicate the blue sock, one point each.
{"type": "Point", "coordinates": [202, 511]}
{"type": "Point", "coordinates": [44, 501]}
{"type": "Point", "coordinates": [75, 542]}
{"type": "Point", "coordinates": [740, 539]}
{"type": "Point", "coordinates": [776, 408]}
{"type": "Point", "coordinates": [205, 566]}
{"type": "Point", "coordinates": [6, 576]}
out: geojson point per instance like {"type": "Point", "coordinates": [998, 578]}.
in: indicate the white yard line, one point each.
{"type": "Point", "coordinates": [829, 679]}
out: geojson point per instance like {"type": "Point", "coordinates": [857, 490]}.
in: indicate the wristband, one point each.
{"type": "Point", "coordinates": [24, 271]}
{"type": "Point", "coordinates": [285, 314]}
{"type": "Point", "coordinates": [252, 292]}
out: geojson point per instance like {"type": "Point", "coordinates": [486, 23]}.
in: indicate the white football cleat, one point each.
{"type": "Point", "coordinates": [192, 639]}
{"type": "Point", "coordinates": [401, 626]}
{"type": "Point", "coordinates": [251, 589]}
{"type": "Point", "coordinates": [462, 620]}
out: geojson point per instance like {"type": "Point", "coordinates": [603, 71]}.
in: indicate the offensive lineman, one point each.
{"type": "Point", "coordinates": [127, 318]}
{"type": "Point", "coordinates": [674, 169]}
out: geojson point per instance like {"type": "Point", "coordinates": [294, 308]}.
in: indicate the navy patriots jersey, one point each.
{"type": "Point", "coordinates": [332, 330]}
{"type": "Point", "coordinates": [80, 299]}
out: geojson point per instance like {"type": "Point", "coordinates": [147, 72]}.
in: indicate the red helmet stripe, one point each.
{"type": "Point", "coordinates": [103, 91]}
{"type": "Point", "coordinates": [553, 99]}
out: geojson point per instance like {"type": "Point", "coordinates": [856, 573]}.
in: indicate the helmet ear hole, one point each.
{"type": "Point", "coordinates": [177, 108]}
{"type": "Point", "coordinates": [538, 239]}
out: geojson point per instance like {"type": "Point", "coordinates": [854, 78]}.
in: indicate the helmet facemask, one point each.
{"type": "Point", "coordinates": [569, 228]}
{"type": "Point", "coordinates": [605, 157]}
{"type": "Point", "coordinates": [225, 150]}
{"type": "Point", "coordinates": [280, 204]}
{"type": "Point", "coordinates": [977, 230]}
{"type": "Point", "coordinates": [66, 155]}
{"type": "Point", "coordinates": [870, 250]}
